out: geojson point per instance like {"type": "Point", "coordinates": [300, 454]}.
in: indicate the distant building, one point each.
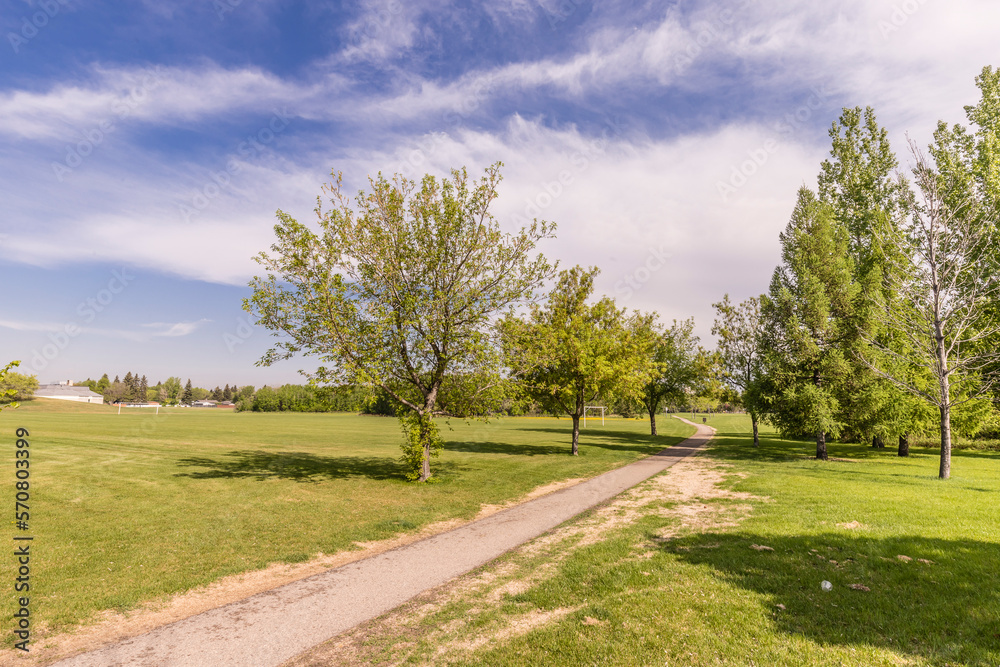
{"type": "Point", "coordinates": [204, 404]}
{"type": "Point", "coordinates": [65, 391]}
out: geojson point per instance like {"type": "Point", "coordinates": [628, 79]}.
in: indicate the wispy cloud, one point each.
{"type": "Point", "coordinates": [147, 331]}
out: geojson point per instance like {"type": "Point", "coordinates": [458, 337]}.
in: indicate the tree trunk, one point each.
{"type": "Point", "coordinates": [576, 434]}
{"type": "Point", "coordinates": [652, 422]}
{"type": "Point", "coordinates": [821, 446]}
{"type": "Point", "coordinates": [945, 470]}
{"type": "Point", "coordinates": [904, 445]}
{"type": "Point", "coordinates": [425, 439]}
{"type": "Point", "coordinates": [756, 438]}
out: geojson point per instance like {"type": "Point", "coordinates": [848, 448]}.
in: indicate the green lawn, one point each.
{"type": "Point", "coordinates": [706, 597]}
{"type": "Point", "coordinates": [128, 508]}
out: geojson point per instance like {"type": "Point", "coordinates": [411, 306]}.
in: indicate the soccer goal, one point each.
{"type": "Point", "coordinates": [592, 407]}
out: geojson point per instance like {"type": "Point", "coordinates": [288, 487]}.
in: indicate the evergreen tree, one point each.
{"type": "Point", "coordinates": [858, 181]}
{"type": "Point", "coordinates": [807, 313]}
{"type": "Point", "coordinates": [188, 392]}
{"type": "Point", "coordinates": [227, 393]}
{"type": "Point", "coordinates": [143, 389]}
{"type": "Point", "coordinates": [216, 394]}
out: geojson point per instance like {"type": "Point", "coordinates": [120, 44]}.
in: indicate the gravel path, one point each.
{"type": "Point", "coordinates": [268, 629]}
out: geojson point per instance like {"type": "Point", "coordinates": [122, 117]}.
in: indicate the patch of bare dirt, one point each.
{"type": "Point", "coordinates": [109, 627]}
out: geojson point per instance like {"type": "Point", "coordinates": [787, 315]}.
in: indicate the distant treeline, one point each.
{"type": "Point", "coordinates": [307, 398]}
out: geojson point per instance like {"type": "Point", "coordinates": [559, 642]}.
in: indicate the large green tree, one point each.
{"type": "Point", "coordinates": [571, 352]}
{"type": "Point", "coordinates": [806, 312]}
{"type": "Point", "coordinates": [740, 329]}
{"type": "Point", "coordinates": [398, 290]}
{"type": "Point", "coordinates": [859, 180]}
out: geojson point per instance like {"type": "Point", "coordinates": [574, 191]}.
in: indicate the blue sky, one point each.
{"type": "Point", "coordinates": [144, 147]}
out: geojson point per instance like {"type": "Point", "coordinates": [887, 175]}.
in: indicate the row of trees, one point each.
{"type": "Point", "coordinates": [884, 315]}
{"type": "Point", "coordinates": [134, 388]}
{"type": "Point", "coordinates": [414, 291]}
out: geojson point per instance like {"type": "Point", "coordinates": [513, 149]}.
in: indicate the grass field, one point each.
{"type": "Point", "coordinates": [128, 508]}
{"type": "Point", "coordinates": [678, 581]}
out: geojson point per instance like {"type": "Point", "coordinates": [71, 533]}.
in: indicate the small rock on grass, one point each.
{"type": "Point", "coordinates": [761, 547]}
{"type": "Point", "coordinates": [780, 606]}
{"type": "Point", "coordinates": [860, 587]}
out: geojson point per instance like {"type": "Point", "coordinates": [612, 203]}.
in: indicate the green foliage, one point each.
{"type": "Point", "coordinates": [421, 440]}
{"type": "Point", "coordinates": [807, 312]}
{"type": "Point", "coordinates": [7, 395]}
{"type": "Point", "coordinates": [398, 289]}
{"type": "Point", "coordinates": [680, 372]}
{"type": "Point", "coordinates": [16, 386]}
{"type": "Point", "coordinates": [266, 400]}
{"type": "Point", "coordinates": [569, 352]}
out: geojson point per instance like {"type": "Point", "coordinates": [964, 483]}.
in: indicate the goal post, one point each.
{"type": "Point", "coordinates": [592, 407]}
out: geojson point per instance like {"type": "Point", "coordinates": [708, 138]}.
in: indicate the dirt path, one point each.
{"type": "Point", "coordinates": [269, 628]}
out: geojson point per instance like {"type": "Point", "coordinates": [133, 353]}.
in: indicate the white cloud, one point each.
{"type": "Point", "coordinates": [173, 330]}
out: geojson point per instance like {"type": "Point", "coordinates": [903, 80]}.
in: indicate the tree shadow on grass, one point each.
{"type": "Point", "coordinates": [942, 604]}
{"type": "Point", "coordinates": [301, 467]}
{"type": "Point", "coordinates": [609, 438]}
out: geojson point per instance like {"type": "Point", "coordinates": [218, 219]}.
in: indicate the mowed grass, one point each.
{"type": "Point", "coordinates": [128, 508]}
{"type": "Point", "coordinates": [707, 597]}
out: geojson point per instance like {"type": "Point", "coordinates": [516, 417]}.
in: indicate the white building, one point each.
{"type": "Point", "coordinates": [64, 391]}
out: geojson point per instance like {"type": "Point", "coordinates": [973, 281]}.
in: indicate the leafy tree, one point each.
{"type": "Point", "coordinates": [806, 311]}
{"type": "Point", "coordinates": [949, 276]}
{"type": "Point", "coordinates": [675, 353]}
{"type": "Point", "coordinates": [266, 400]}
{"type": "Point", "coordinates": [569, 353]}
{"type": "Point", "coordinates": [9, 389]}
{"type": "Point", "coordinates": [117, 392]}
{"type": "Point", "coordinates": [188, 394]}
{"type": "Point", "coordinates": [102, 384]}
{"type": "Point", "coordinates": [173, 389]}
{"type": "Point", "coordinates": [740, 329]}
{"type": "Point", "coordinates": [398, 292]}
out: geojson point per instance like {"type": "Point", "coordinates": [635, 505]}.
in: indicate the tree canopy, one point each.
{"type": "Point", "coordinates": [399, 290]}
